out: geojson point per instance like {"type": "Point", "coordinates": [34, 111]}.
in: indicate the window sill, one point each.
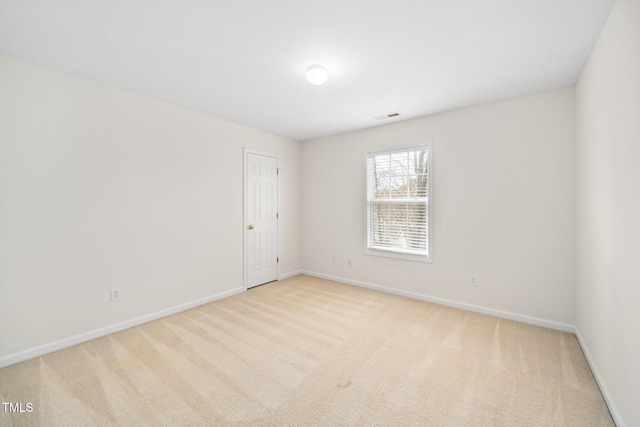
{"type": "Point", "coordinates": [399, 255]}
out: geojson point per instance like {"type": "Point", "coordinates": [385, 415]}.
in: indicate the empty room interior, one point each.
{"type": "Point", "coordinates": [442, 230]}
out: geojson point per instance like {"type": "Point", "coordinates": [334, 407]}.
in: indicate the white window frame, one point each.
{"type": "Point", "coordinates": [399, 253]}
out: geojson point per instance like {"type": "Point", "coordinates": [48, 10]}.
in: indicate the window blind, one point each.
{"type": "Point", "coordinates": [398, 201]}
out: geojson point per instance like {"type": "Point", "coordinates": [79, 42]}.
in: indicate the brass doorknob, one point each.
{"type": "Point", "coordinates": [251, 227]}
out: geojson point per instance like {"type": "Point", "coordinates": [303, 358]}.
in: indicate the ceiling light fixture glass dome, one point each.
{"type": "Point", "coordinates": [317, 75]}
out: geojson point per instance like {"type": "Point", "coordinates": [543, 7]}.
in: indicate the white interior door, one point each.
{"type": "Point", "coordinates": [261, 218]}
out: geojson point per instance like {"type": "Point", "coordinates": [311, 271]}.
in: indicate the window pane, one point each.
{"type": "Point", "coordinates": [398, 201]}
{"type": "Point", "coordinates": [399, 225]}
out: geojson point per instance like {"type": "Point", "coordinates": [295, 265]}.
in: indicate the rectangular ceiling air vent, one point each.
{"type": "Point", "coordinates": [388, 115]}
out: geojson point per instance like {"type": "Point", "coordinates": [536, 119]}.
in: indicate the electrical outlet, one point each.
{"type": "Point", "coordinates": [333, 259]}
{"type": "Point", "coordinates": [473, 280]}
{"type": "Point", "coordinates": [349, 263]}
{"type": "Point", "coordinates": [116, 294]}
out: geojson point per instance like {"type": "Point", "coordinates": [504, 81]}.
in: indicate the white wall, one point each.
{"type": "Point", "coordinates": [608, 210]}
{"type": "Point", "coordinates": [503, 199]}
{"type": "Point", "coordinates": [102, 188]}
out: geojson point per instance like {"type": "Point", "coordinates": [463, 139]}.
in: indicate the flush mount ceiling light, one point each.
{"type": "Point", "coordinates": [317, 75]}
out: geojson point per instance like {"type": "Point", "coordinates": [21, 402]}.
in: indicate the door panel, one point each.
{"type": "Point", "coordinates": [261, 219]}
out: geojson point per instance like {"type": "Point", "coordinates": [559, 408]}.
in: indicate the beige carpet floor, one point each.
{"type": "Point", "coordinates": [306, 351]}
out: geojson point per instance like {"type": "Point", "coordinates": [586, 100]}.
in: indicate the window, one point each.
{"type": "Point", "coordinates": [399, 208]}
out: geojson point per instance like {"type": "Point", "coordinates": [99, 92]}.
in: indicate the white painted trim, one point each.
{"type": "Point", "coordinates": [245, 222]}
{"type": "Point", "coordinates": [20, 356]}
{"type": "Point", "coordinates": [565, 327]}
{"type": "Point", "coordinates": [613, 409]}
{"type": "Point", "coordinates": [290, 274]}
{"type": "Point", "coordinates": [430, 209]}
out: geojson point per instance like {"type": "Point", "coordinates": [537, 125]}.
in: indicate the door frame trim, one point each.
{"type": "Point", "coordinates": [245, 206]}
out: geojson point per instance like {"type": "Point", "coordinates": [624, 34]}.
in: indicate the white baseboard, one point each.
{"type": "Point", "coordinates": [290, 274]}
{"type": "Point", "coordinates": [613, 409]}
{"type": "Point", "coordinates": [565, 327]}
{"type": "Point", "coordinates": [20, 356]}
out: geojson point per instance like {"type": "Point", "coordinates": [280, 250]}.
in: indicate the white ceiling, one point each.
{"type": "Point", "coordinates": [244, 60]}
